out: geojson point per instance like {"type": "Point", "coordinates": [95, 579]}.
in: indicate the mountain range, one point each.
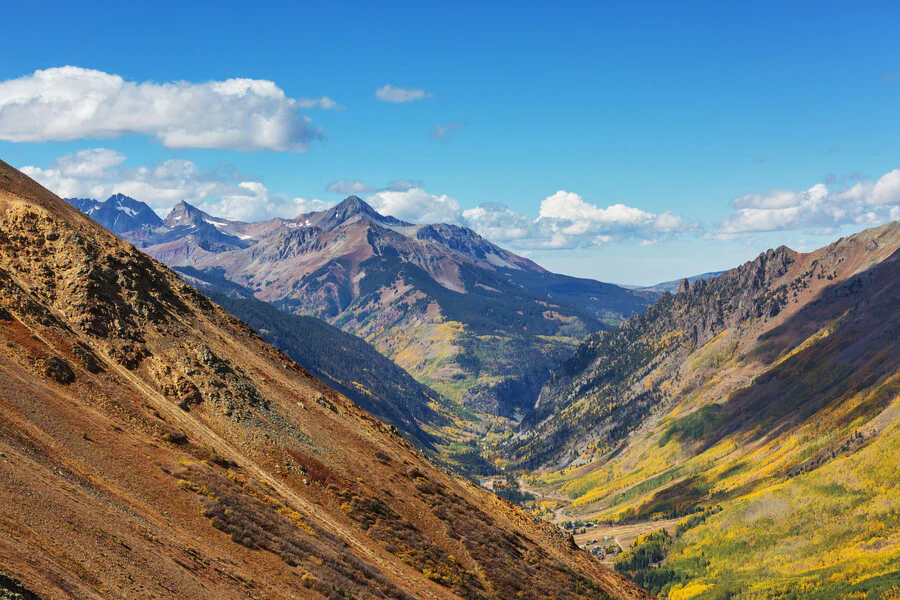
{"type": "Point", "coordinates": [740, 426]}
{"type": "Point", "coordinates": [151, 445]}
{"type": "Point", "coordinates": [477, 323]}
{"type": "Point", "coordinates": [121, 214]}
{"type": "Point", "coordinates": [750, 418]}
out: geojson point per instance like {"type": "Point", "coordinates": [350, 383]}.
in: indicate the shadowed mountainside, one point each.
{"type": "Point", "coordinates": [349, 365]}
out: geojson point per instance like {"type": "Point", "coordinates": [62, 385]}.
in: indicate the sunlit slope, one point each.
{"type": "Point", "coordinates": [769, 417]}
{"type": "Point", "coordinates": [152, 446]}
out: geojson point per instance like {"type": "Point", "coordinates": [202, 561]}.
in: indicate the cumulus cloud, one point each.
{"type": "Point", "coordinates": [416, 205]}
{"type": "Point", "coordinates": [564, 220]}
{"type": "Point", "coordinates": [500, 224]}
{"type": "Point", "coordinates": [349, 186]}
{"type": "Point", "coordinates": [251, 201]}
{"type": "Point", "coordinates": [442, 132]}
{"type": "Point", "coordinates": [818, 207]}
{"type": "Point", "coordinates": [323, 102]}
{"type": "Point", "coordinates": [390, 93]}
{"type": "Point", "coordinates": [886, 190]}
{"type": "Point", "coordinates": [69, 103]}
{"type": "Point", "coordinates": [99, 173]}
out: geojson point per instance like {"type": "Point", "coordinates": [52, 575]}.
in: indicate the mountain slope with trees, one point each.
{"type": "Point", "coordinates": [761, 408]}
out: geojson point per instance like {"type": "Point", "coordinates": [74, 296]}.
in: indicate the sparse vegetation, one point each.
{"type": "Point", "coordinates": [251, 515]}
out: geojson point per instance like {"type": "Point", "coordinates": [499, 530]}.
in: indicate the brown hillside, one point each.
{"type": "Point", "coordinates": [152, 446]}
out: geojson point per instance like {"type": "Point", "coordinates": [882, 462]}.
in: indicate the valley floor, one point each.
{"type": "Point", "coordinates": [620, 534]}
{"type": "Point", "coordinates": [595, 534]}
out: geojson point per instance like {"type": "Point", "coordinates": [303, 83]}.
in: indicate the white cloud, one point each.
{"type": "Point", "coordinates": [770, 200]}
{"type": "Point", "coordinates": [498, 223]}
{"type": "Point", "coordinates": [390, 93]}
{"type": "Point", "coordinates": [565, 220]}
{"type": "Point", "coordinates": [576, 216]}
{"type": "Point", "coordinates": [416, 205]}
{"type": "Point", "coordinates": [349, 186]}
{"type": "Point", "coordinates": [323, 102]}
{"type": "Point", "coordinates": [69, 103]}
{"type": "Point", "coordinates": [442, 132]}
{"type": "Point", "coordinates": [568, 221]}
{"type": "Point", "coordinates": [251, 201]}
{"type": "Point", "coordinates": [403, 185]}
{"type": "Point", "coordinates": [99, 173]}
{"type": "Point", "coordinates": [887, 189]}
{"type": "Point", "coordinates": [818, 207]}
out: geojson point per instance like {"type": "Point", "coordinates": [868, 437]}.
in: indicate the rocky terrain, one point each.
{"type": "Point", "coordinates": [477, 323]}
{"type": "Point", "coordinates": [151, 445]}
{"type": "Point", "coordinates": [351, 366]}
{"type": "Point", "coordinates": [617, 379]}
{"type": "Point", "coordinates": [672, 286]}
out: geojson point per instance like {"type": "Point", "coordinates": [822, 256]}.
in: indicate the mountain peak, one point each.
{"type": "Point", "coordinates": [354, 205]}
{"type": "Point", "coordinates": [120, 196]}
{"type": "Point", "coordinates": [351, 209]}
{"type": "Point", "coordinates": [354, 200]}
{"type": "Point", "coordinates": [184, 214]}
{"type": "Point", "coordinates": [119, 213]}
{"type": "Point", "coordinates": [184, 207]}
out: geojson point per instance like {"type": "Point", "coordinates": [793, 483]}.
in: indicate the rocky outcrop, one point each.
{"type": "Point", "coordinates": [615, 380]}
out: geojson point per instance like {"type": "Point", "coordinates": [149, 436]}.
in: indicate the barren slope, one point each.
{"type": "Point", "coordinates": [153, 446]}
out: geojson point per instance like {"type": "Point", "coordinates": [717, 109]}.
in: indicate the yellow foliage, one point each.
{"type": "Point", "coordinates": [689, 591]}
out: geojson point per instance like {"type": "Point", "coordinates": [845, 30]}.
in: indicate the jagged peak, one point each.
{"type": "Point", "coordinates": [119, 200]}
{"type": "Point", "coordinates": [185, 214]}
{"type": "Point", "coordinates": [120, 196]}
{"type": "Point", "coordinates": [350, 209]}
{"type": "Point", "coordinates": [352, 206]}
{"type": "Point", "coordinates": [186, 209]}
{"type": "Point", "coordinates": [183, 206]}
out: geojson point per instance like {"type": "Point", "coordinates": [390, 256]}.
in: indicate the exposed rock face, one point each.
{"type": "Point", "coordinates": [187, 458]}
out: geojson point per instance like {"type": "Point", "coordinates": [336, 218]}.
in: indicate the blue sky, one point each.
{"type": "Point", "coordinates": [666, 108]}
